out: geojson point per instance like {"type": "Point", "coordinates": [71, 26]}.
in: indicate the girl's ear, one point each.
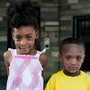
{"type": "Point", "coordinates": [37, 34]}
{"type": "Point", "coordinates": [12, 35]}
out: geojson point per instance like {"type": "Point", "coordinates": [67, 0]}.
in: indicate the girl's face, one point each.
{"type": "Point", "coordinates": [24, 38]}
{"type": "Point", "coordinates": [72, 57]}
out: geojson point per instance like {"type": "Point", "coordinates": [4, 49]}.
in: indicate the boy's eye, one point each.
{"type": "Point", "coordinates": [78, 58]}
{"type": "Point", "coordinates": [68, 57]}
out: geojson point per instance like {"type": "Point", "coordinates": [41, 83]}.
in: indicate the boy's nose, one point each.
{"type": "Point", "coordinates": [73, 61]}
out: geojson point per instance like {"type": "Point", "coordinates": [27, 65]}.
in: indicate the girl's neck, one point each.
{"type": "Point", "coordinates": [71, 74]}
{"type": "Point", "coordinates": [32, 52]}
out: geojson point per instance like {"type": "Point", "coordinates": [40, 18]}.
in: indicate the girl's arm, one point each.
{"type": "Point", "coordinates": [7, 59]}
{"type": "Point", "coordinates": [43, 61]}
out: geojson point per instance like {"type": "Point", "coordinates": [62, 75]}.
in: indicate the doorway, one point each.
{"type": "Point", "coordinates": [81, 30]}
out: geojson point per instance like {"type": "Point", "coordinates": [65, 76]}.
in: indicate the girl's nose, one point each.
{"type": "Point", "coordinates": [23, 42]}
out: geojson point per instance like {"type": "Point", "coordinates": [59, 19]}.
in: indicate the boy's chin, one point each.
{"type": "Point", "coordinates": [72, 73]}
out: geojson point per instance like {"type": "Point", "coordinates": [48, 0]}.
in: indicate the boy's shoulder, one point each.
{"type": "Point", "coordinates": [57, 74]}
{"type": "Point", "coordinates": [60, 74]}
{"type": "Point", "coordinates": [83, 73]}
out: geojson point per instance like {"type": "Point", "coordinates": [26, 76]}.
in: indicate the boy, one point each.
{"type": "Point", "coordinates": [71, 55]}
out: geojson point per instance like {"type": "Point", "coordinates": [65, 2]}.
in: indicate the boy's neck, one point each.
{"type": "Point", "coordinates": [71, 74]}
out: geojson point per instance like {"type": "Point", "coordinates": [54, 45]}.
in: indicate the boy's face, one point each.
{"type": "Point", "coordinates": [72, 57]}
{"type": "Point", "coordinates": [24, 38]}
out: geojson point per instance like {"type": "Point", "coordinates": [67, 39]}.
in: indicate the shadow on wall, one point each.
{"type": "Point", "coordinates": [3, 80]}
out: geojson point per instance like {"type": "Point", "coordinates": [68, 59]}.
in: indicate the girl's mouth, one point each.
{"type": "Point", "coordinates": [24, 49]}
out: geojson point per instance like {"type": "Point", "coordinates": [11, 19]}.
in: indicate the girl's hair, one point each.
{"type": "Point", "coordinates": [21, 14]}
{"type": "Point", "coordinates": [71, 40]}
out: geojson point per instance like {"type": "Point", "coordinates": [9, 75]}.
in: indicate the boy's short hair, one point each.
{"type": "Point", "coordinates": [21, 13]}
{"type": "Point", "coordinates": [71, 40]}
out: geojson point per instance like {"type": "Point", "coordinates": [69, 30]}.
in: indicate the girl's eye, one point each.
{"type": "Point", "coordinates": [18, 38]}
{"type": "Point", "coordinates": [29, 37]}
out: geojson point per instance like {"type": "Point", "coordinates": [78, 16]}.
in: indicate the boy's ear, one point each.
{"type": "Point", "coordinates": [37, 34]}
{"type": "Point", "coordinates": [84, 57]}
{"type": "Point", "coordinates": [59, 57]}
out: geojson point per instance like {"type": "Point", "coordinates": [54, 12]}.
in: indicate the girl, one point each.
{"type": "Point", "coordinates": [24, 64]}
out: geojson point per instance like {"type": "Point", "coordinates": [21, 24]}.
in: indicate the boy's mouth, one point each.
{"type": "Point", "coordinates": [72, 68]}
